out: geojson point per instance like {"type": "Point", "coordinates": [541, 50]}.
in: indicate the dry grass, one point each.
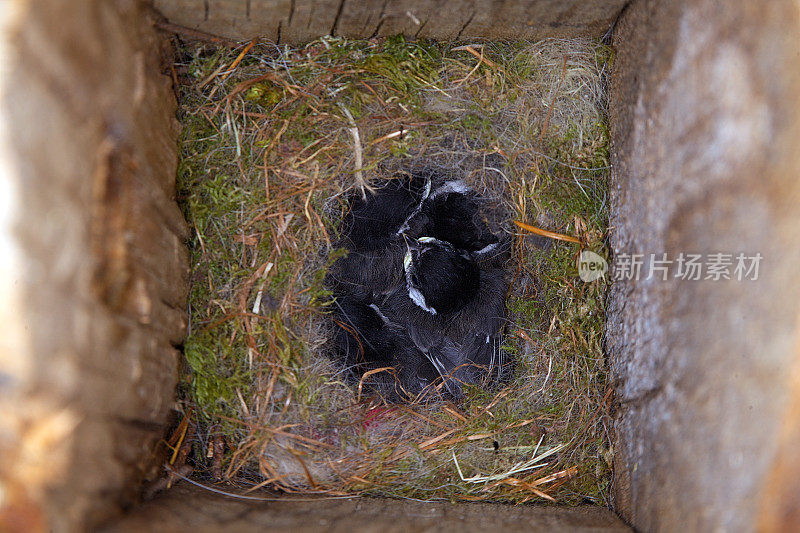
{"type": "Point", "coordinates": [274, 140]}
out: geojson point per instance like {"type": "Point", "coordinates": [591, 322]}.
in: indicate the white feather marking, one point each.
{"type": "Point", "coordinates": [419, 299]}
{"type": "Point", "coordinates": [380, 314]}
{"type": "Point", "coordinates": [451, 186]}
{"type": "Point", "coordinates": [427, 189]}
{"type": "Point", "coordinates": [413, 292]}
{"type": "Point", "coordinates": [407, 261]}
{"type": "Point", "coordinates": [405, 227]}
{"type": "Point", "coordinates": [440, 369]}
{"type": "Point", "coordinates": [487, 248]}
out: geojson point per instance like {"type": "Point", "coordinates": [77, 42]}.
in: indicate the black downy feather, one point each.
{"type": "Point", "coordinates": [421, 290]}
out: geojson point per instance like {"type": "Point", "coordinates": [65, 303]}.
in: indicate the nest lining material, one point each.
{"type": "Point", "coordinates": [274, 139]}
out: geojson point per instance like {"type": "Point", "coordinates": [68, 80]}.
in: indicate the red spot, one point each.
{"type": "Point", "coordinates": [373, 417]}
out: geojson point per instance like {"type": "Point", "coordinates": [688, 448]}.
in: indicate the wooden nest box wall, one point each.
{"type": "Point", "coordinates": [93, 265]}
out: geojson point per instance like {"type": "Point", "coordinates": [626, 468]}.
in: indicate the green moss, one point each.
{"type": "Point", "coordinates": [218, 371]}
{"type": "Point", "coordinates": [265, 94]}
{"type": "Point", "coordinates": [407, 65]}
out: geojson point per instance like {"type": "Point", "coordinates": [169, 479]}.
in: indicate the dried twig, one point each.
{"type": "Point", "coordinates": [546, 233]}
{"type": "Point", "coordinates": [523, 466]}
{"type": "Point", "coordinates": [471, 72]}
{"type": "Point", "coordinates": [368, 374]}
{"type": "Point", "coordinates": [359, 154]}
{"type": "Point", "coordinates": [553, 101]}
{"type": "Point", "coordinates": [469, 48]}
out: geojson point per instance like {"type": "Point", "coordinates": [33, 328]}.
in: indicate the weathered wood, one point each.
{"type": "Point", "coordinates": [92, 259]}
{"type": "Point", "coordinates": [706, 122]}
{"type": "Point", "coordinates": [298, 21]}
{"type": "Point", "coordinates": [185, 507]}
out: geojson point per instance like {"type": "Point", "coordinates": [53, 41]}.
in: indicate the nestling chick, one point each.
{"type": "Point", "coordinates": [420, 291]}
{"type": "Point", "coordinates": [452, 310]}
{"type": "Point", "coordinates": [367, 340]}
{"type": "Point", "coordinates": [439, 278]}
{"type": "Point", "coordinates": [370, 237]}
{"type": "Point", "coordinates": [450, 212]}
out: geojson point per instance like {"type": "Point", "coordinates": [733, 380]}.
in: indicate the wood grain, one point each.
{"type": "Point", "coordinates": [298, 21]}
{"type": "Point", "coordinates": [93, 262]}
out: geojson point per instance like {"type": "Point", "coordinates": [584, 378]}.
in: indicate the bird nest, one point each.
{"type": "Point", "coordinates": [275, 141]}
